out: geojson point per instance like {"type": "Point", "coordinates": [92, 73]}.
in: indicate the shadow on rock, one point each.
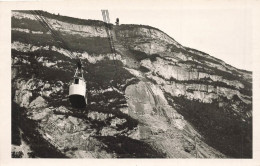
{"type": "Point", "coordinates": [126, 147]}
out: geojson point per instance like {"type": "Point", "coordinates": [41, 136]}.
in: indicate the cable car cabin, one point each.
{"type": "Point", "coordinates": [77, 93]}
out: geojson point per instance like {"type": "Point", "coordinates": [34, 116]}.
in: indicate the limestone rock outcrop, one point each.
{"type": "Point", "coordinates": [153, 98]}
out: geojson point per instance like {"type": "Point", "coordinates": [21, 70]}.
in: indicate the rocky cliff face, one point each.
{"type": "Point", "coordinates": [154, 98]}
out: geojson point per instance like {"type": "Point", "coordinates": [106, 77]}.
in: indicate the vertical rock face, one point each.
{"type": "Point", "coordinates": [153, 98]}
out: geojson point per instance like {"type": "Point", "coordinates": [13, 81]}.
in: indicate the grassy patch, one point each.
{"type": "Point", "coordinates": [106, 73]}
{"type": "Point", "coordinates": [66, 18]}
{"type": "Point", "coordinates": [24, 23]}
{"type": "Point", "coordinates": [42, 72]}
{"type": "Point", "coordinates": [77, 43]}
{"type": "Point", "coordinates": [220, 126]}
{"type": "Point", "coordinates": [126, 147]}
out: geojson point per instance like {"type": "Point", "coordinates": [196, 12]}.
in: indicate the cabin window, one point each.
{"type": "Point", "coordinates": [76, 81]}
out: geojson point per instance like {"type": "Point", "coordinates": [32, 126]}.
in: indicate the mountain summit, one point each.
{"type": "Point", "coordinates": [154, 99]}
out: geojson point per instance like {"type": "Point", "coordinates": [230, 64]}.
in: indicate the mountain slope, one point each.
{"type": "Point", "coordinates": [154, 98]}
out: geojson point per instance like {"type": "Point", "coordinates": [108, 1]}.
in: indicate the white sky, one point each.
{"type": "Point", "coordinates": [224, 34]}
